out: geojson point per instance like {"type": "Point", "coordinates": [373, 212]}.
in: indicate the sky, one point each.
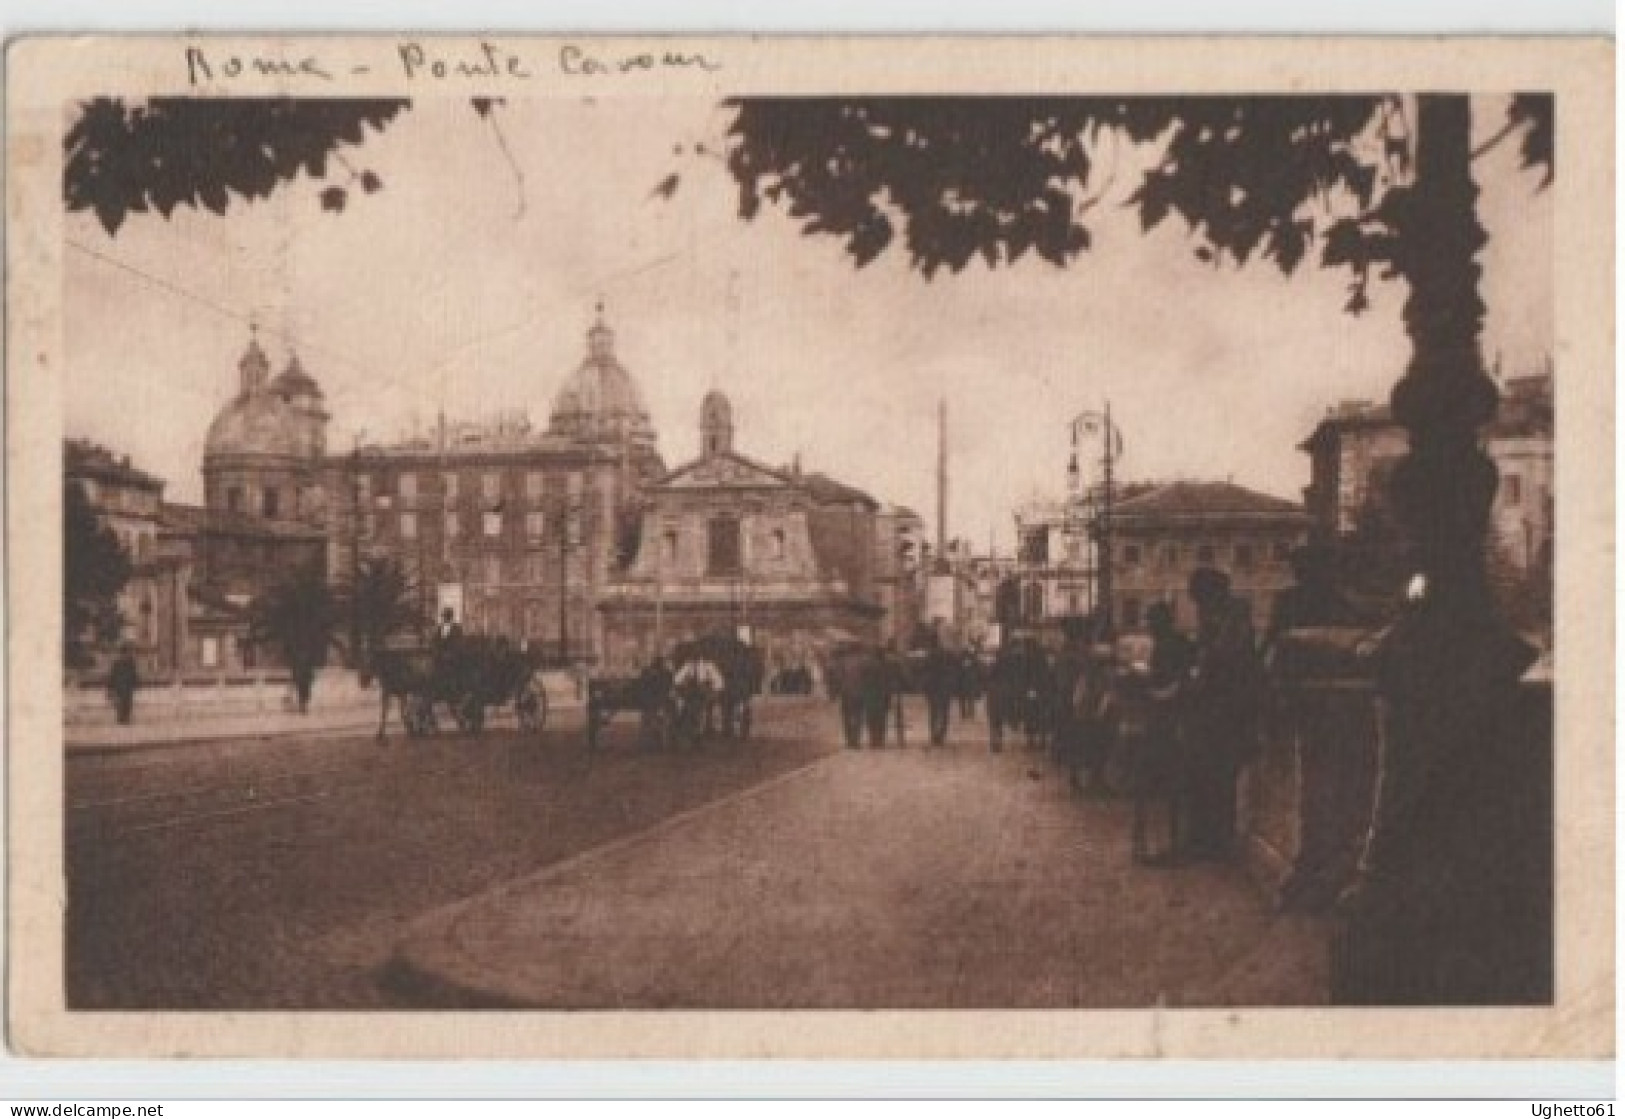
{"type": "Point", "coordinates": [467, 283]}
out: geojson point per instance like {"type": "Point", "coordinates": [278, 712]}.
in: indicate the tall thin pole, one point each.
{"type": "Point", "coordinates": [355, 548]}
{"type": "Point", "coordinates": [942, 478]}
{"type": "Point", "coordinates": [564, 585]}
{"type": "Point", "coordinates": [1105, 559]}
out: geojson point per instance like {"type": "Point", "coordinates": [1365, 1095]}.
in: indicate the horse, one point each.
{"type": "Point", "coordinates": [468, 677]}
{"type": "Point", "coordinates": [405, 676]}
{"type": "Point", "coordinates": [740, 668]}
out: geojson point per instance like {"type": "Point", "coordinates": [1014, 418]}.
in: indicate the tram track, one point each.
{"type": "Point", "coordinates": [244, 795]}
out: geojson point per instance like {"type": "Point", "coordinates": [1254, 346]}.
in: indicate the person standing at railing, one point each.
{"type": "Point", "coordinates": [1222, 715]}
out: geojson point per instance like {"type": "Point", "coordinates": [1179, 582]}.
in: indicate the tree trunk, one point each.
{"type": "Point", "coordinates": [1432, 920]}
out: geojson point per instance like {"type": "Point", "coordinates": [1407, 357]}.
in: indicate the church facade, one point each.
{"type": "Point", "coordinates": [784, 559]}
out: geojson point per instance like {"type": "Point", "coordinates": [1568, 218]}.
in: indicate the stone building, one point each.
{"type": "Point", "coordinates": [786, 559]}
{"type": "Point", "coordinates": [1055, 561]}
{"type": "Point", "coordinates": [1520, 443]}
{"type": "Point", "coordinates": [129, 501]}
{"type": "Point", "coordinates": [1164, 533]}
{"type": "Point", "coordinates": [1354, 449]}
{"type": "Point", "coordinates": [517, 531]}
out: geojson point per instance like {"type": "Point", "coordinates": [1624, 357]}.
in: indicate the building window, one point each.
{"type": "Point", "coordinates": [534, 485]}
{"type": "Point", "coordinates": [1244, 557]}
{"type": "Point", "coordinates": [271, 502]}
{"type": "Point", "coordinates": [409, 486]}
{"type": "Point", "coordinates": [724, 555]}
{"type": "Point", "coordinates": [453, 525]}
{"type": "Point", "coordinates": [1131, 555]}
{"type": "Point", "coordinates": [1514, 489]}
{"type": "Point", "coordinates": [234, 499]}
{"type": "Point", "coordinates": [671, 546]}
{"type": "Point", "coordinates": [576, 483]}
{"type": "Point", "coordinates": [1282, 551]}
{"type": "Point", "coordinates": [369, 525]}
{"type": "Point", "coordinates": [448, 483]}
{"type": "Point", "coordinates": [778, 545]}
{"type": "Point", "coordinates": [1035, 545]}
{"type": "Point", "coordinates": [409, 526]}
{"type": "Point", "coordinates": [535, 525]}
{"type": "Point", "coordinates": [1205, 553]}
{"type": "Point", "coordinates": [491, 486]}
{"type": "Point", "coordinates": [1170, 555]}
{"type": "Point", "coordinates": [209, 652]}
{"type": "Point", "coordinates": [493, 523]}
{"type": "Point", "coordinates": [535, 569]}
{"type": "Point", "coordinates": [493, 570]}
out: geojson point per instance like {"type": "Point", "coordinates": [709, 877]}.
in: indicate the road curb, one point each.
{"type": "Point", "coordinates": [413, 971]}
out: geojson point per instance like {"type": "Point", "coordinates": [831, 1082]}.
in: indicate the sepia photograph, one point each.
{"type": "Point", "coordinates": [616, 527]}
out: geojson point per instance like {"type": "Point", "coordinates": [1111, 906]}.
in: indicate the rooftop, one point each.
{"type": "Point", "coordinates": [1179, 500]}
{"type": "Point", "coordinates": [83, 459]}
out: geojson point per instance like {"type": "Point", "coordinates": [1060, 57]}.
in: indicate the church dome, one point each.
{"type": "Point", "coordinates": [274, 418]}
{"type": "Point", "coordinates": [600, 399]}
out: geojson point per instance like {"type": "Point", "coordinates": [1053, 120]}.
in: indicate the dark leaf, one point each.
{"type": "Point", "coordinates": [666, 187]}
{"type": "Point", "coordinates": [333, 199]}
{"type": "Point", "coordinates": [370, 182]}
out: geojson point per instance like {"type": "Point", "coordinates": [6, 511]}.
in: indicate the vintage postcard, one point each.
{"type": "Point", "coordinates": [825, 547]}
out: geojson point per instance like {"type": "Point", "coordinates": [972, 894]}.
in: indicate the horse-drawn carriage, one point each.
{"type": "Point", "coordinates": [708, 691]}
{"type": "Point", "coordinates": [466, 679]}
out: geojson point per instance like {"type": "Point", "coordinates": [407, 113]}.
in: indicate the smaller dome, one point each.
{"type": "Point", "coordinates": [294, 381]}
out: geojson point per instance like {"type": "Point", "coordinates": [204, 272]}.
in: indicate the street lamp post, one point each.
{"type": "Point", "coordinates": [1086, 424]}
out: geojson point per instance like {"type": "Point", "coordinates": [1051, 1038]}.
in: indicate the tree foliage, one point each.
{"type": "Point", "coordinates": [156, 155]}
{"type": "Point", "coordinates": [381, 602]}
{"type": "Point", "coordinates": [95, 568]}
{"type": "Point", "coordinates": [298, 617]}
{"type": "Point", "coordinates": [998, 178]}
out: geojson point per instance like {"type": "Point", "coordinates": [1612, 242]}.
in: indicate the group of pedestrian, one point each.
{"type": "Point", "coordinates": [870, 683]}
{"type": "Point", "coordinates": [1190, 720]}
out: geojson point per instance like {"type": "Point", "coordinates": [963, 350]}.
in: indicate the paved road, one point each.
{"type": "Point", "coordinates": [338, 873]}
{"type": "Point", "coordinates": [279, 873]}
{"type": "Point", "coordinates": [916, 878]}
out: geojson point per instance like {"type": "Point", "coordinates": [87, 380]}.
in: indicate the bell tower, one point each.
{"type": "Point", "coordinates": [716, 426]}
{"type": "Point", "coordinates": [253, 368]}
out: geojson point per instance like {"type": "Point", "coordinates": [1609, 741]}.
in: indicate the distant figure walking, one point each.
{"type": "Point", "coordinates": [122, 681]}
{"type": "Point", "coordinates": [1002, 696]}
{"type": "Point", "coordinates": [937, 682]}
{"type": "Point", "coordinates": [843, 678]}
{"type": "Point", "coordinates": [876, 681]}
{"type": "Point", "coordinates": [968, 683]}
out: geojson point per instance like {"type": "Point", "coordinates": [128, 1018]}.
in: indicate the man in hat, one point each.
{"type": "Point", "coordinates": [1223, 710]}
{"type": "Point", "coordinates": [122, 681]}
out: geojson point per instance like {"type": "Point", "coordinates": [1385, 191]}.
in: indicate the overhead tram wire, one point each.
{"type": "Point", "coordinates": [171, 288]}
